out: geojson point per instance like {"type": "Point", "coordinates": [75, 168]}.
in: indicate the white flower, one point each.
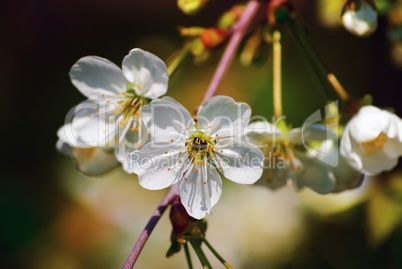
{"type": "Point", "coordinates": [192, 152]}
{"type": "Point", "coordinates": [93, 161]}
{"type": "Point", "coordinates": [286, 158]}
{"type": "Point", "coordinates": [372, 140]}
{"type": "Point", "coordinates": [115, 99]}
{"type": "Point", "coordinates": [359, 18]}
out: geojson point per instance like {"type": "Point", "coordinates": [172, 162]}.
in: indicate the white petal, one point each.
{"type": "Point", "coordinates": [376, 162]}
{"type": "Point", "coordinates": [158, 165]}
{"type": "Point", "coordinates": [63, 147]}
{"type": "Point", "coordinates": [95, 76]}
{"type": "Point", "coordinates": [240, 162]}
{"type": "Point", "coordinates": [147, 72]}
{"type": "Point", "coordinates": [92, 124]}
{"type": "Point", "coordinates": [394, 129]}
{"type": "Point", "coordinates": [94, 161]}
{"type": "Point", "coordinates": [371, 164]}
{"type": "Point", "coordinates": [262, 127]}
{"type": "Point", "coordinates": [67, 140]}
{"type": "Point", "coordinates": [393, 145]}
{"type": "Point", "coordinates": [313, 132]}
{"type": "Point", "coordinates": [167, 120]}
{"type": "Point", "coordinates": [260, 132]}
{"type": "Point", "coordinates": [91, 161]}
{"type": "Point", "coordinates": [346, 177]}
{"type": "Point", "coordinates": [130, 141]}
{"type": "Point", "coordinates": [222, 115]}
{"type": "Point", "coordinates": [201, 191]}
{"type": "Point", "coordinates": [393, 148]}
{"type": "Point", "coordinates": [315, 175]}
{"type": "Point", "coordinates": [369, 122]}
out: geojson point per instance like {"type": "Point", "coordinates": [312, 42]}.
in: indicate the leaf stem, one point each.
{"type": "Point", "coordinates": [227, 57]}
{"type": "Point", "coordinates": [219, 257]}
{"type": "Point", "coordinates": [135, 252]}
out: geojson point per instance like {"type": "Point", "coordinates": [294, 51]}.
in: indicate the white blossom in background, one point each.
{"type": "Point", "coordinates": [110, 117]}
{"type": "Point", "coordinates": [286, 160]}
{"type": "Point", "coordinates": [359, 17]}
{"type": "Point", "coordinates": [192, 153]}
{"type": "Point", "coordinates": [92, 161]}
{"type": "Point", "coordinates": [372, 140]}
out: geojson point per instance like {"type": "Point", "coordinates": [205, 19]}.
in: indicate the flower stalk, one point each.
{"type": "Point", "coordinates": [188, 257]}
{"type": "Point", "coordinates": [219, 257]}
{"type": "Point", "coordinates": [277, 74]}
{"type": "Point", "coordinates": [227, 57]}
{"type": "Point", "coordinates": [315, 62]}
{"type": "Point", "coordinates": [176, 59]}
{"type": "Point", "coordinates": [309, 56]}
{"type": "Point", "coordinates": [200, 254]}
{"type": "Point", "coordinates": [166, 201]}
{"type": "Point", "coordinates": [338, 87]}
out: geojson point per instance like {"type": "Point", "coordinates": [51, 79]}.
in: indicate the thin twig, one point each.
{"type": "Point", "coordinates": [227, 57]}
{"type": "Point", "coordinates": [135, 252]}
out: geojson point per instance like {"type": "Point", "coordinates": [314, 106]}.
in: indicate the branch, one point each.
{"type": "Point", "coordinates": [135, 252]}
{"type": "Point", "coordinates": [227, 57]}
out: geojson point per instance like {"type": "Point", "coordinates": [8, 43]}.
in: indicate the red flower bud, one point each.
{"type": "Point", "coordinates": [213, 37]}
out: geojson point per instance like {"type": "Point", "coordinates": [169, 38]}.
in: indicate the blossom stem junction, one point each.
{"type": "Point", "coordinates": [166, 201]}
{"type": "Point", "coordinates": [227, 57]}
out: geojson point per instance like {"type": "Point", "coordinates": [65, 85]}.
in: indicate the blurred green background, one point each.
{"type": "Point", "coordinates": [54, 217]}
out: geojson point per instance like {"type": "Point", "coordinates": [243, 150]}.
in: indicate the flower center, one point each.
{"type": "Point", "coordinates": [131, 105]}
{"type": "Point", "coordinates": [200, 148]}
{"type": "Point", "coordinates": [371, 146]}
{"type": "Point", "coordinates": [280, 160]}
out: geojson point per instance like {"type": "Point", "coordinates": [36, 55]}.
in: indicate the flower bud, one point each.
{"type": "Point", "coordinates": [213, 37]}
{"type": "Point", "coordinates": [191, 31]}
{"type": "Point", "coordinates": [359, 17]}
{"type": "Point", "coordinates": [229, 18]}
{"type": "Point", "coordinates": [199, 51]}
{"type": "Point", "coordinates": [278, 10]}
{"type": "Point", "coordinates": [252, 49]}
{"type": "Point", "coordinates": [191, 7]}
{"type": "Point", "coordinates": [184, 226]}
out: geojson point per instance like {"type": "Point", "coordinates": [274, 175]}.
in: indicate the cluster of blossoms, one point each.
{"type": "Point", "coordinates": [116, 118]}
{"type": "Point", "coordinates": [163, 144]}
